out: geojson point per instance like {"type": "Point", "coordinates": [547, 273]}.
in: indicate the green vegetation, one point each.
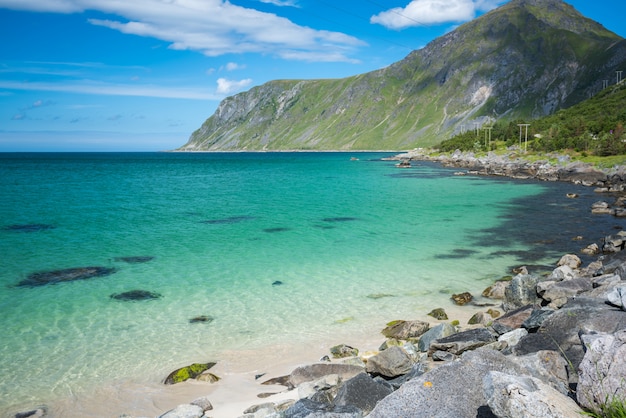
{"type": "Point", "coordinates": [593, 128]}
{"type": "Point", "coordinates": [615, 408]}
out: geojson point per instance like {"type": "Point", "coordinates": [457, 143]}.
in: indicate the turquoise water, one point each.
{"type": "Point", "coordinates": [277, 248]}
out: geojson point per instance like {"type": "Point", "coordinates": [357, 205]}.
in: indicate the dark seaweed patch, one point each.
{"type": "Point", "coordinates": [134, 295]}
{"type": "Point", "coordinates": [135, 259]}
{"type": "Point", "coordinates": [340, 219]}
{"type": "Point", "coordinates": [28, 227]}
{"type": "Point", "coordinates": [456, 254]}
{"type": "Point", "coordinates": [229, 220]}
{"type": "Point", "coordinates": [279, 229]}
{"type": "Point", "coordinates": [65, 275]}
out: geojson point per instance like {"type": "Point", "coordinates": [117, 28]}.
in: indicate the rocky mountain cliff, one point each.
{"type": "Point", "coordinates": [526, 59]}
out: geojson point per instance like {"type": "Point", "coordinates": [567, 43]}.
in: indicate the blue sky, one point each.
{"type": "Point", "coordinates": [142, 75]}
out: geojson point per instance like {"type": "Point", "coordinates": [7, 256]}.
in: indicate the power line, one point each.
{"type": "Point", "coordinates": [383, 7]}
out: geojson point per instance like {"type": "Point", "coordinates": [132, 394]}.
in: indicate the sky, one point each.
{"type": "Point", "coordinates": [142, 75]}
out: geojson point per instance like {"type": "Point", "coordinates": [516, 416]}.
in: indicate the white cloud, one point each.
{"type": "Point", "coordinates": [225, 86]}
{"type": "Point", "coordinates": [213, 27]}
{"type": "Point", "coordinates": [432, 12]}
{"type": "Point", "coordinates": [232, 66]}
{"type": "Point", "coordinates": [280, 3]}
{"type": "Point", "coordinates": [108, 89]}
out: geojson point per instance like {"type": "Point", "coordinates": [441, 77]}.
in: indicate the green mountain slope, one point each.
{"type": "Point", "coordinates": [526, 59]}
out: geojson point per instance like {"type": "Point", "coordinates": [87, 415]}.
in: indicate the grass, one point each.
{"type": "Point", "coordinates": [615, 408]}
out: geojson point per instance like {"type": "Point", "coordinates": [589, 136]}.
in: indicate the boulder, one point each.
{"type": "Point", "coordinates": [188, 372]}
{"type": "Point", "coordinates": [558, 293]}
{"type": "Point", "coordinates": [361, 392]}
{"type": "Point", "coordinates": [439, 314]}
{"type": "Point", "coordinates": [512, 338]}
{"type": "Point", "coordinates": [548, 366]}
{"type": "Point", "coordinates": [184, 411]}
{"type": "Point", "coordinates": [559, 332]}
{"type": "Point", "coordinates": [513, 319]}
{"type": "Point", "coordinates": [449, 390]}
{"type": "Point", "coordinates": [613, 243]}
{"type": "Point", "coordinates": [405, 330]}
{"type": "Point", "coordinates": [343, 350]}
{"type": "Point", "coordinates": [570, 260]}
{"type": "Point", "coordinates": [480, 318]}
{"type": "Point", "coordinates": [562, 273]}
{"type": "Point", "coordinates": [392, 362]}
{"type": "Point", "coordinates": [617, 297]}
{"type": "Point", "coordinates": [521, 292]}
{"type": "Point", "coordinates": [463, 341]}
{"type": "Point", "coordinates": [536, 318]}
{"type": "Point", "coordinates": [311, 409]}
{"type": "Point", "coordinates": [602, 370]}
{"type": "Point", "coordinates": [439, 331]}
{"type": "Point", "coordinates": [526, 397]}
{"type": "Point", "coordinates": [496, 290]}
{"type": "Point", "coordinates": [462, 298]}
{"type": "Point", "coordinates": [316, 371]}
{"type": "Point", "coordinates": [328, 384]}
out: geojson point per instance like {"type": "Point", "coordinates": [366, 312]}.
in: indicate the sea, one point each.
{"type": "Point", "coordinates": [241, 252]}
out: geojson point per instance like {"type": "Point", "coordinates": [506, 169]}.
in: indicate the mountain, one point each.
{"type": "Point", "coordinates": [526, 59]}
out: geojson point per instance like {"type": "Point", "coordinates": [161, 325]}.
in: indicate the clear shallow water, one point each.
{"type": "Point", "coordinates": [279, 248]}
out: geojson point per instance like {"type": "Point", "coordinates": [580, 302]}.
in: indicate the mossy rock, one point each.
{"type": "Point", "coordinates": [439, 314]}
{"type": "Point", "coordinates": [188, 372]}
{"type": "Point", "coordinates": [462, 298]}
{"type": "Point", "coordinates": [343, 351]}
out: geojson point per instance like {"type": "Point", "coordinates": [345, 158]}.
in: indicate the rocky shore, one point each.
{"type": "Point", "coordinates": [545, 344]}
{"type": "Point", "coordinates": [514, 165]}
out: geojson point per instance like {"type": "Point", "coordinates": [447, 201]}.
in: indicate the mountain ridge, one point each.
{"type": "Point", "coordinates": [525, 59]}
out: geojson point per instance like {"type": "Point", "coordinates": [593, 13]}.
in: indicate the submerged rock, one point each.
{"type": "Point", "coordinates": [137, 294]}
{"type": "Point", "coordinates": [462, 298]}
{"type": "Point", "coordinates": [439, 314]}
{"type": "Point", "coordinates": [202, 318]}
{"type": "Point", "coordinates": [65, 275]}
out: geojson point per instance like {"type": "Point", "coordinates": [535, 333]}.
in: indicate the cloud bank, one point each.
{"type": "Point", "coordinates": [432, 12]}
{"type": "Point", "coordinates": [212, 27]}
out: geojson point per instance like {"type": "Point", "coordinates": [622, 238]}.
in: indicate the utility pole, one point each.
{"type": "Point", "coordinates": [523, 125]}
{"type": "Point", "coordinates": [476, 126]}
{"type": "Point", "coordinates": [488, 144]}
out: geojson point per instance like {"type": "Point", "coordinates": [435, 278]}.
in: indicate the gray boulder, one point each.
{"type": "Point", "coordinates": [463, 341]}
{"type": "Point", "coordinates": [521, 292]}
{"type": "Point", "coordinates": [526, 397]}
{"type": "Point", "coordinates": [558, 293]}
{"type": "Point", "coordinates": [184, 411]}
{"type": "Point", "coordinates": [306, 408]}
{"type": "Point", "coordinates": [437, 332]}
{"type": "Point", "coordinates": [362, 392]}
{"type": "Point", "coordinates": [512, 319]}
{"type": "Point", "coordinates": [548, 366]}
{"type": "Point", "coordinates": [450, 390]}
{"type": "Point", "coordinates": [314, 372]}
{"type": "Point", "coordinates": [392, 362]}
{"type": "Point", "coordinates": [405, 330]}
{"type": "Point", "coordinates": [559, 332]}
{"type": "Point", "coordinates": [602, 372]}
{"type": "Point", "coordinates": [617, 297]}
